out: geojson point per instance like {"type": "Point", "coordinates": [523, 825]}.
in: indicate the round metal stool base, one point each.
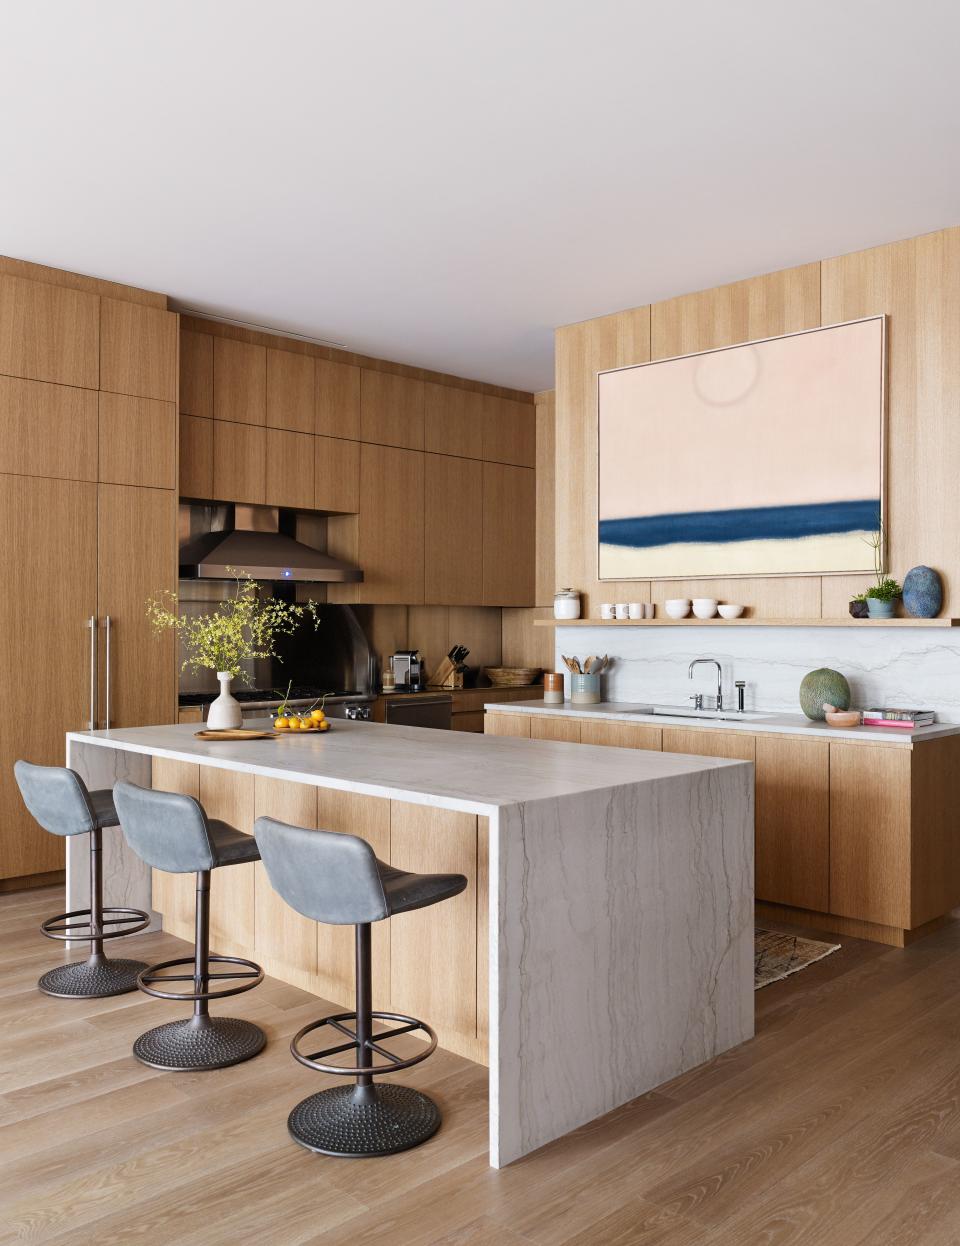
{"type": "Point", "coordinates": [197, 1046]}
{"type": "Point", "coordinates": [92, 979]}
{"type": "Point", "coordinates": [353, 1125]}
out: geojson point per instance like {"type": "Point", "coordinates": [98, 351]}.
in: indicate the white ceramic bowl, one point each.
{"type": "Point", "coordinates": [730, 612]}
{"type": "Point", "coordinates": [677, 607]}
{"type": "Point", "coordinates": [704, 607]}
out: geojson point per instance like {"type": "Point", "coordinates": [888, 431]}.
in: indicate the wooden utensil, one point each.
{"type": "Point", "coordinates": [233, 733]}
{"type": "Point", "coordinates": [589, 663]}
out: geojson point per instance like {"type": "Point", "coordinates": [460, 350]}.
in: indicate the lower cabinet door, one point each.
{"type": "Point", "coordinates": [793, 822]}
{"type": "Point", "coordinates": [567, 730]}
{"type": "Point", "coordinates": [516, 725]}
{"type": "Point", "coordinates": [620, 734]}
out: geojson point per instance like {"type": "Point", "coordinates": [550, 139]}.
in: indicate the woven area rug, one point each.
{"type": "Point", "coordinates": [777, 956]}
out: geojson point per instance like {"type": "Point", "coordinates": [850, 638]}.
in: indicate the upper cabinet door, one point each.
{"type": "Point", "coordinates": [196, 373]}
{"type": "Point", "coordinates": [138, 350]}
{"type": "Point", "coordinates": [509, 535]}
{"type": "Point", "coordinates": [453, 421]}
{"type": "Point", "coordinates": [239, 463]}
{"type": "Point", "coordinates": [336, 474]}
{"type": "Point", "coordinates": [47, 430]}
{"type": "Point", "coordinates": [290, 391]}
{"type": "Point", "coordinates": [453, 506]}
{"type": "Point", "coordinates": [289, 469]}
{"type": "Point", "coordinates": [239, 381]}
{"type": "Point", "coordinates": [196, 457]}
{"type": "Point", "coordinates": [391, 409]}
{"type": "Point", "coordinates": [48, 333]}
{"type": "Point", "coordinates": [138, 441]}
{"type": "Point", "coordinates": [338, 399]}
{"type": "Point", "coordinates": [391, 525]}
{"type": "Point", "coordinates": [509, 432]}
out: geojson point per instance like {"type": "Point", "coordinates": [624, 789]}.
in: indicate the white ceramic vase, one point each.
{"type": "Point", "coordinates": [225, 711]}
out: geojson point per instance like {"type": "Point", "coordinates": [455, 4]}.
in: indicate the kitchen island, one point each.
{"type": "Point", "coordinates": [604, 943]}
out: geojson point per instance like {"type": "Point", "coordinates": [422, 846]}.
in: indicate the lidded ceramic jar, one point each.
{"type": "Point", "coordinates": [566, 604]}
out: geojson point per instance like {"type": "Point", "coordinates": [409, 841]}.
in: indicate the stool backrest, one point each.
{"type": "Point", "coordinates": [166, 829]}
{"type": "Point", "coordinates": [56, 797]}
{"type": "Point", "coordinates": [325, 875]}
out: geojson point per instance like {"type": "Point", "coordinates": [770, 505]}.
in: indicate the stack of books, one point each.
{"type": "Point", "coordinates": [898, 718]}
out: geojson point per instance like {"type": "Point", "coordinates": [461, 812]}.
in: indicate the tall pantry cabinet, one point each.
{"type": "Point", "coordinates": [88, 506]}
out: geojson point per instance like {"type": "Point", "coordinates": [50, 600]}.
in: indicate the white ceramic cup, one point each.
{"type": "Point", "coordinates": [635, 609]}
{"type": "Point", "coordinates": [622, 610]}
{"type": "Point", "coordinates": [606, 610]}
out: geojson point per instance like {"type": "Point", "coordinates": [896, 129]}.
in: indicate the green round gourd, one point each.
{"type": "Point", "coordinates": [820, 687]}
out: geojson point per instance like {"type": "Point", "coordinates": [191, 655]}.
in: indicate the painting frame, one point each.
{"type": "Point", "coordinates": [882, 431]}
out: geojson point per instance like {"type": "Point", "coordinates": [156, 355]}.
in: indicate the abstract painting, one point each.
{"type": "Point", "coordinates": [759, 459]}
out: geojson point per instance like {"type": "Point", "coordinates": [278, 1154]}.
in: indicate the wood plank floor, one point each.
{"type": "Point", "coordinates": [839, 1125]}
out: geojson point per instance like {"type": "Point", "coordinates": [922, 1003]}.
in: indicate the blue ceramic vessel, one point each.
{"type": "Point", "coordinates": [923, 592]}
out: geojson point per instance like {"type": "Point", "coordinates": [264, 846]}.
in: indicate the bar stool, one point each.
{"type": "Point", "coordinates": [60, 801]}
{"type": "Point", "coordinates": [336, 878]}
{"type": "Point", "coordinates": [171, 832]}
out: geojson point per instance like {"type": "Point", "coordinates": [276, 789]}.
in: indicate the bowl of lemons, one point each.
{"type": "Point", "coordinates": [289, 721]}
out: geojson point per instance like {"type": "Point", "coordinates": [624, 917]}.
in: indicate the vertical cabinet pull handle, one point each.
{"type": "Point", "coordinates": [92, 624]}
{"type": "Point", "coordinates": [106, 668]}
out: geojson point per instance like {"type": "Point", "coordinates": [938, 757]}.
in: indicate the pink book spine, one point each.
{"type": "Point", "coordinates": [888, 722]}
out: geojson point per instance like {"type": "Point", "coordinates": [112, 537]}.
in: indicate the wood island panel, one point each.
{"type": "Point", "coordinates": [286, 941]}
{"type": "Point", "coordinates": [230, 796]}
{"type": "Point", "coordinates": [174, 894]}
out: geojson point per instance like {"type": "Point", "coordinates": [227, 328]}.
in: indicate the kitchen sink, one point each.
{"type": "Point", "coordinates": [688, 711]}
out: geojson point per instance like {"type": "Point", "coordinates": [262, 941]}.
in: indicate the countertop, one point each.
{"type": "Point", "coordinates": [778, 724]}
{"type": "Point", "coordinates": [449, 769]}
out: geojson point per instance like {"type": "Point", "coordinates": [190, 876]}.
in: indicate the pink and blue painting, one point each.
{"type": "Point", "coordinates": [759, 459]}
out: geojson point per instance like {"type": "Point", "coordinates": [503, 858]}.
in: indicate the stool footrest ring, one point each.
{"type": "Point", "coordinates": [61, 927]}
{"type": "Point", "coordinates": [402, 1025]}
{"type": "Point", "coordinates": [153, 973]}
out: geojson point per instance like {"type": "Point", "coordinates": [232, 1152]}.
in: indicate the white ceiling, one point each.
{"type": "Point", "coordinates": [442, 183]}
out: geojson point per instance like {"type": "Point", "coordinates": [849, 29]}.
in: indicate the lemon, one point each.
{"type": "Point", "coordinates": [317, 715]}
{"type": "Point", "coordinates": [281, 724]}
{"type": "Point", "coordinates": [324, 726]}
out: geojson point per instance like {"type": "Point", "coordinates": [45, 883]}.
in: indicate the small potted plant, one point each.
{"type": "Point", "coordinates": [882, 597]}
{"type": "Point", "coordinates": [859, 608]}
{"type": "Point", "coordinates": [239, 630]}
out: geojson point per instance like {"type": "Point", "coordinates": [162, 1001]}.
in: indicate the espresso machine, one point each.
{"type": "Point", "coordinates": [408, 672]}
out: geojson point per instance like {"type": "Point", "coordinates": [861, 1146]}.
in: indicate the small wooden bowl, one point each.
{"type": "Point", "coordinates": [512, 676]}
{"type": "Point", "coordinates": [843, 718]}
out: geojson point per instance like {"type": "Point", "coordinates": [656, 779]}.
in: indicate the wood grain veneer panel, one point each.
{"type": "Point", "coordinates": [934, 842]}
{"type": "Point", "coordinates": [196, 373]}
{"type": "Point", "coordinates": [453, 535]}
{"type": "Point", "coordinates": [138, 441]}
{"type": "Point", "coordinates": [174, 895]}
{"type": "Point", "coordinates": [286, 942]}
{"type": "Point", "coordinates": [509, 432]}
{"type": "Point", "coordinates": [239, 463]}
{"type": "Point", "coordinates": [550, 728]}
{"type": "Point", "coordinates": [620, 734]}
{"type": "Point", "coordinates": [737, 746]}
{"type": "Point", "coordinates": [230, 796]}
{"type": "Point", "coordinates": [47, 430]}
{"type": "Point", "coordinates": [138, 350]}
{"type": "Point", "coordinates": [453, 421]}
{"type": "Point", "coordinates": [433, 956]}
{"type": "Point", "coordinates": [336, 474]}
{"type": "Point", "coordinates": [391, 409]}
{"type": "Point", "coordinates": [516, 725]}
{"type": "Point", "coordinates": [546, 537]}
{"type": "Point", "coordinates": [483, 933]}
{"type": "Point", "coordinates": [793, 822]}
{"type": "Point", "coordinates": [239, 382]}
{"type": "Point", "coordinates": [290, 391]}
{"type": "Point", "coordinates": [49, 333]}
{"type": "Point", "coordinates": [509, 535]}
{"type": "Point", "coordinates": [870, 834]}
{"type": "Point", "coordinates": [368, 817]}
{"type": "Point", "coordinates": [196, 457]}
{"type": "Point", "coordinates": [391, 531]}
{"type": "Point", "coordinates": [337, 399]}
{"type": "Point", "coordinates": [289, 469]}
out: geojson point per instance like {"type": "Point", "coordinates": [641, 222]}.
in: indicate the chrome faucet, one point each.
{"type": "Point", "coordinates": [698, 701]}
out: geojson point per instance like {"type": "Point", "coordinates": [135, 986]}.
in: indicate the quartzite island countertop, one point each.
{"type": "Point", "coordinates": [611, 893]}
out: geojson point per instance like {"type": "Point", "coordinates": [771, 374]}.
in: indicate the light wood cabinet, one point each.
{"type": "Point", "coordinates": [290, 391]}
{"type": "Point", "coordinates": [239, 381]}
{"type": "Point", "coordinates": [239, 458]}
{"type": "Point", "coordinates": [196, 373]}
{"type": "Point", "coordinates": [509, 535]}
{"type": "Point", "coordinates": [174, 895]}
{"type": "Point", "coordinates": [49, 333]}
{"type": "Point", "coordinates": [734, 745]}
{"type": "Point", "coordinates": [453, 421]}
{"type": "Point", "coordinates": [391, 409]}
{"type": "Point", "coordinates": [286, 942]}
{"type": "Point", "coordinates": [136, 540]}
{"type": "Point", "coordinates": [336, 474]}
{"type": "Point", "coordinates": [566, 730]}
{"type": "Point", "coordinates": [289, 469]}
{"type": "Point", "coordinates": [620, 734]}
{"type": "Point", "coordinates": [515, 725]}
{"type": "Point", "coordinates": [47, 430]}
{"type": "Point", "coordinates": [47, 599]}
{"type": "Point", "coordinates": [196, 457]}
{"type": "Point", "coordinates": [138, 441]}
{"type": "Point", "coordinates": [390, 544]}
{"type": "Point", "coordinates": [509, 431]}
{"type": "Point", "coordinates": [337, 399]}
{"type": "Point", "coordinates": [453, 540]}
{"type": "Point", "coordinates": [793, 822]}
{"type": "Point", "coordinates": [230, 796]}
{"type": "Point", "coordinates": [138, 350]}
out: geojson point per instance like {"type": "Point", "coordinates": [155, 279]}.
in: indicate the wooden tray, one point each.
{"type": "Point", "coordinates": [235, 733]}
{"type": "Point", "coordinates": [298, 731]}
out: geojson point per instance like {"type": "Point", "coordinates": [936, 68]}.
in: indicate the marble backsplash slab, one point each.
{"type": "Point", "coordinates": [916, 668]}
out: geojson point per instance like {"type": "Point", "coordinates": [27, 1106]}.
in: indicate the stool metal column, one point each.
{"type": "Point", "coordinates": [171, 832]}
{"type": "Point", "coordinates": [336, 878]}
{"type": "Point", "coordinates": [59, 800]}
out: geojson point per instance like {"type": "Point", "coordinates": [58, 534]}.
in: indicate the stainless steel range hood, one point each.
{"type": "Point", "coordinates": [216, 540]}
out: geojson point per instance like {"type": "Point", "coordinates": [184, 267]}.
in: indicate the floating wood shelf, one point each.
{"type": "Point", "coordinates": [746, 622]}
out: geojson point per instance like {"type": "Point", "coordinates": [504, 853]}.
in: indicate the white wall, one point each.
{"type": "Point", "coordinates": [912, 667]}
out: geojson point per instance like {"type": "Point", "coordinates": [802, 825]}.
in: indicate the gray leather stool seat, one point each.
{"type": "Point", "coordinates": [337, 879]}
{"type": "Point", "coordinates": [62, 804]}
{"type": "Point", "coordinates": [171, 832]}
